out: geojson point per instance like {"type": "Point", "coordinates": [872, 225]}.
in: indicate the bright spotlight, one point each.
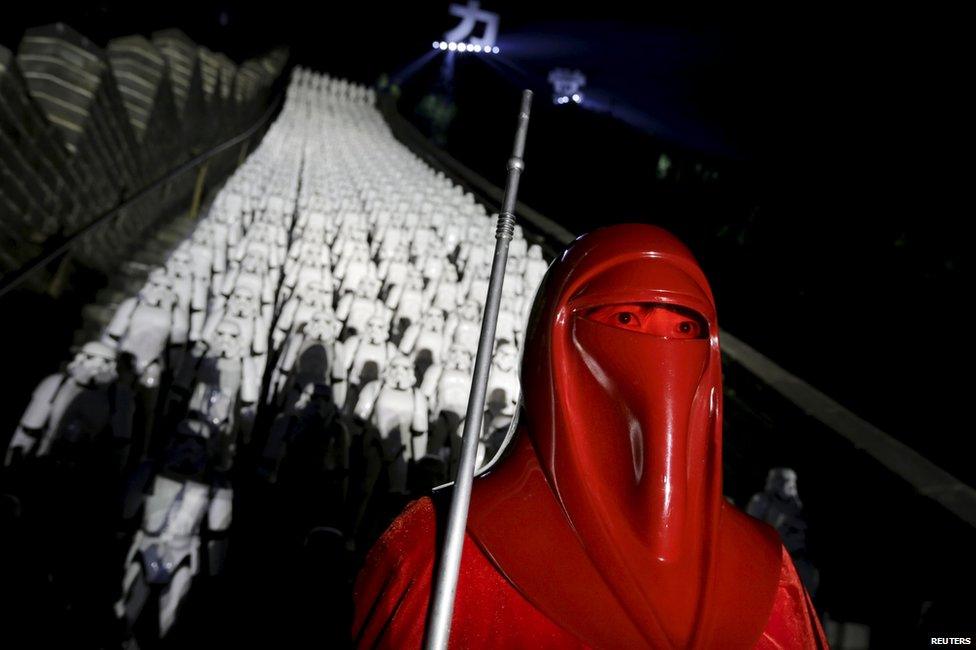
{"type": "Point", "coordinates": [436, 45]}
{"type": "Point", "coordinates": [577, 98]}
{"type": "Point", "coordinates": [442, 45]}
{"type": "Point", "coordinates": [494, 50]}
{"type": "Point", "coordinates": [462, 47]}
{"type": "Point", "coordinates": [452, 46]}
{"type": "Point", "coordinates": [477, 48]}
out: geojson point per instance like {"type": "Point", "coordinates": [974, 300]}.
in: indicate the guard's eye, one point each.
{"type": "Point", "coordinates": [649, 318]}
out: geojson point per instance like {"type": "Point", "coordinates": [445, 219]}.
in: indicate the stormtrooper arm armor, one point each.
{"type": "Point", "coordinates": [344, 353]}
{"type": "Point", "coordinates": [219, 260]}
{"type": "Point", "coordinates": [250, 381]}
{"type": "Point", "coordinates": [393, 299]}
{"type": "Point", "coordinates": [420, 413]}
{"type": "Point", "coordinates": [432, 377]}
{"type": "Point", "coordinates": [430, 291]}
{"type": "Point", "coordinates": [220, 510]}
{"type": "Point", "coordinates": [367, 400]}
{"type": "Point", "coordinates": [344, 306]}
{"type": "Point", "coordinates": [290, 353]}
{"type": "Point", "coordinates": [449, 326]}
{"type": "Point", "coordinates": [229, 280]}
{"type": "Point", "coordinates": [268, 286]}
{"type": "Point", "coordinates": [410, 338]}
{"type": "Point", "coordinates": [418, 427]}
{"type": "Point", "coordinates": [260, 343]}
{"type": "Point", "coordinates": [120, 321]}
{"type": "Point", "coordinates": [210, 327]}
{"type": "Point", "coordinates": [285, 320]}
{"type": "Point", "coordinates": [35, 419]}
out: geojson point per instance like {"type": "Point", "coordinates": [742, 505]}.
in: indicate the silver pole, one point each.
{"type": "Point", "coordinates": [439, 624]}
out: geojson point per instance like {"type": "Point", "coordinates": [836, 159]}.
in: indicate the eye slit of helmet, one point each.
{"type": "Point", "coordinates": [654, 319]}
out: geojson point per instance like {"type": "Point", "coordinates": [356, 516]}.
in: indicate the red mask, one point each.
{"type": "Point", "coordinates": [608, 515]}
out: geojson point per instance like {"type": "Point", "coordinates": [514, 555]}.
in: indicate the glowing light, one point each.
{"type": "Point", "coordinates": [455, 46]}
{"type": "Point", "coordinates": [567, 86]}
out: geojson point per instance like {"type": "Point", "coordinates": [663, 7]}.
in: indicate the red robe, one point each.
{"type": "Point", "coordinates": [393, 591]}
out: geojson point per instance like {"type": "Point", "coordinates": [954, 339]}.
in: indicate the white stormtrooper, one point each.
{"type": "Point", "coordinates": [463, 326]}
{"type": "Point", "coordinates": [253, 271]}
{"type": "Point", "coordinates": [425, 341]}
{"type": "Point", "coordinates": [228, 366]}
{"type": "Point", "coordinates": [425, 243]}
{"type": "Point", "coordinates": [76, 406]}
{"type": "Point", "coordinates": [510, 324]}
{"type": "Point", "coordinates": [353, 266]}
{"type": "Point", "coordinates": [514, 284]}
{"type": "Point", "coordinates": [364, 357]}
{"type": "Point", "coordinates": [406, 299]}
{"type": "Point", "coordinates": [142, 326]}
{"type": "Point", "coordinates": [243, 307]}
{"type": "Point", "coordinates": [394, 266]}
{"type": "Point", "coordinates": [517, 249]}
{"type": "Point", "coordinates": [535, 270]}
{"type": "Point", "coordinates": [445, 291]}
{"type": "Point", "coordinates": [356, 309]}
{"type": "Point", "coordinates": [169, 551]}
{"type": "Point", "coordinates": [312, 264]}
{"type": "Point", "coordinates": [397, 414]}
{"type": "Point", "coordinates": [181, 271]}
{"type": "Point", "coordinates": [475, 283]}
{"type": "Point", "coordinates": [308, 299]}
{"type": "Point", "coordinates": [310, 356]}
{"type": "Point", "coordinates": [390, 245]}
{"type": "Point", "coordinates": [447, 387]}
{"type": "Point", "coordinates": [501, 397]}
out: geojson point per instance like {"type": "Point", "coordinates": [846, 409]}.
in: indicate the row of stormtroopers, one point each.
{"type": "Point", "coordinates": [334, 277]}
{"type": "Point", "coordinates": [238, 256]}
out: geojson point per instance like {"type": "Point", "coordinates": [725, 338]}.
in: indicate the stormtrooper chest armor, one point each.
{"type": "Point", "coordinates": [361, 310]}
{"type": "Point", "coordinates": [467, 334]}
{"type": "Point", "coordinates": [394, 410]}
{"type": "Point", "coordinates": [452, 391]}
{"type": "Point", "coordinates": [368, 353]}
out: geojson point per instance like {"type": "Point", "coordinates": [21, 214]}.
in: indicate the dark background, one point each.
{"type": "Point", "coordinates": [836, 230]}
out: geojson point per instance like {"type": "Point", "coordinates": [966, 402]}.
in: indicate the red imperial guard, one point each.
{"type": "Point", "coordinates": [604, 526]}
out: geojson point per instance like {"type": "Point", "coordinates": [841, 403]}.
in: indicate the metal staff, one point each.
{"type": "Point", "coordinates": [439, 624]}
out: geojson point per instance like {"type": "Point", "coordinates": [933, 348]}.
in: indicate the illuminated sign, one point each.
{"type": "Point", "coordinates": [567, 86]}
{"type": "Point", "coordinates": [462, 38]}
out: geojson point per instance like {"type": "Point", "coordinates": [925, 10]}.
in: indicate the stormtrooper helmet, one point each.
{"type": "Point", "coordinates": [470, 310]}
{"type": "Point", "coordinates": [400, 373]}
{"type": "Point", "coordinates": [93, 365]}
{"type": "Point", "coordinates": [322, 326]}
{"type": "Point", "coordinates": [506, 356]}
{"type": "Point", "coordinates": [459, 358]}
{"type": "Point", "coordinates": [781, 482]}
{"type": "Point", "coordinates": [226, 341]}
{"type": "Point", "coordinates": [377, 330]}
{"type": "Point", "coordinates": [242, 302]}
